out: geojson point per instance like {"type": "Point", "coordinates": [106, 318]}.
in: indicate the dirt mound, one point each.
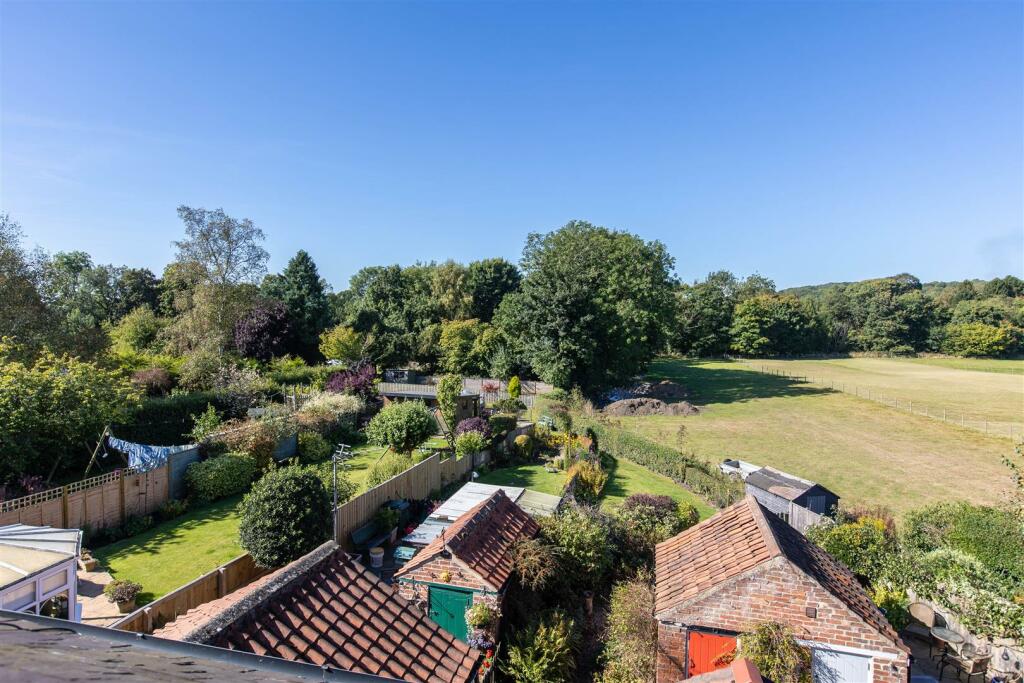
{"type": "Point", "coordinates": [665, 390]}
{"type": "Point", "coordinates": [628, 407]}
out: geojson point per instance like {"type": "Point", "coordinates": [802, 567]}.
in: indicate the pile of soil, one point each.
{"type": "Point", "coordinates": [665, 390]}
{"type": "Point", "coordinates": [628, 407]}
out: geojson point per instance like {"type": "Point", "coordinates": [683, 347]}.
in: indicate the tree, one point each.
{"type": "Point", "coordinates": [401, 426]}
{"type": "Point", "coordinates": [304, 293]}
{"type": "Point", "coordinates": [450, 291]}
{"type": "Point", "coordinates": [82, 296]}
{"type": "Point", "coordinates": [262, 333]}
{"type": "Point", "coordinates": [53, 409]}
{"type": "Point", "coordinates": [594, 306]}
{"type": "Point", "coordinates": [771, 324]}
{"type": "Point", "coordinates": [343, 344]}
{"type": "Point", "coordinates": [227, 250]}
{"type": "Point", "coordinates": [136, 287]}
{"type": "Point", "coordinates": [488, 281]}
{"type": "Point", "coordinates": [286, 515]}
{"type": "Point", "coordinates": [1008, 286]}
{"type": "Point", "coordinates": [24, 316]}
{"type": "Point", "coordinates": [978, 340]}
{"type": "Point", "coordinates": [449, 388]}
{"type": "Point", "coordinates": [137, 332]}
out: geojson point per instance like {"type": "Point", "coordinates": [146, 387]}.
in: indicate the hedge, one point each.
{"type": "Point", "coordinates": [221, 476]}
{"type": "Point", "coordinates": [694, 474]}
{"type": "Point", "coordinates": [168, 421]}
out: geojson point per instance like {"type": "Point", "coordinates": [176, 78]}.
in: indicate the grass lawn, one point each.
{"type": "Point", "coordinates": [364, 455]}
{"type": "Point", "coordinates": [624, 479]}
{"type": "Point", "coordinates": [864, 451]}
{"type": "Point", "coordinates": [980, 389]}
{"type": "Point", "coordinates": [173, 553]}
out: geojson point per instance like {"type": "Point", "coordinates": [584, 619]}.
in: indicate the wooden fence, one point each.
{"type": "Point", "coordinates": [237, 573]}
{"type": "Point", "coordinates": [416, 483]}
{"type": "Point", "coordinates": [99, 502]}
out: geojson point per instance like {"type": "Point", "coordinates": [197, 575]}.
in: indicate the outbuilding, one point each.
{"type": "Point", "coordinates": [799, 502]}
{"type": "Point", "coordinates": [39, 570]}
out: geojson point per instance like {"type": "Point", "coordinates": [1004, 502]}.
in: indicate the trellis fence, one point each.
{"type": "Point", "coordinates": [97, 502]}
{"type": "Point", "coordinates": [1003, 428]}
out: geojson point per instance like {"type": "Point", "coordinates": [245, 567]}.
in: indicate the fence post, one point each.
{"type": "Point", "coordinates": [120, 480]}
{"type": "Point", "coordinates": [64, 506]}
{"type": "Point", "coordinates": [222, 582]}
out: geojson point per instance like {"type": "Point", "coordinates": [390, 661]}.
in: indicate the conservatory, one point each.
{"type": "Point", "coordinates": [38, 570]}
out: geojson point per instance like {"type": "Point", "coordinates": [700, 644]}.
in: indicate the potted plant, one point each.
{"type": "Point", "coordinates": [387, 520]}
{"type": "Point", "coordinates": [123, 593]}
{"type": "Point", "coordinates": [88, 561]}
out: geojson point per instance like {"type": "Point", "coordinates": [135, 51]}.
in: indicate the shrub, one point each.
{"type": "Point", "coordinates": [524, 445]}
{"type": "Point", "coordinates": [120, 590]}
{"type": "Point", "coordinates": [342, 343]}
{"type": "Point", "coordinates": [641, 526]}
{"type": "Point", "coordinates": [772, 647]}
{"type": "Point", "coordinates": [632, 634]}
{"type": "Point", "coordinates": [474, 424]}
{"type": "Point", "coordinates": [168, 421]}
{"type": "Point", "coordinates": [220, 476]}
{"type": "Point", "coordinates": [286, 515]}
{"type": "Point", "coordinates": [313, 447]}
{"type": "Point", "coordinates": [582, 536]}
{"type": "Point", "coordinates": [502, 424]}
{"type": "Point", "coordinates": [469, 443]}
{"type": "Point", "coordinates": [204, 424]}
{"type": "Point", "coordinates": [978, 340]}
{"type": "Point", "coordinates": [390, 465]}
{"type": "Point", "coordinates": [259, 438]}
{"type": "Point", "coordinates": [172, 508]}
{"type": "Point", "coordinates": [200, 369]}
{"type": "Point", "coordinates": [514, 388]}
{"type": "Point", "coordinates": [590, 481]}
{"type": "Point", "coordinates": [262, 332]}
{"type": "Point", "coordinates": [136, 524]}
{"type": "Point", "coordinates": [894, 604]}
{"type": "Point", "coordinates": [992, 535]}
{"type": "Point", "coordinates": [152, 381]}
{"type": "Point", "coordinates": [360, 379]}
{"type": "Point", "coordinates": [544, 652]}
{"type": "Point", "coordinates": [482, 615]}
{"type": "Point", "coordinates": [325, 412]}
{"type": "Point", "coordinates": [509, 405]}
{"type": "Point", "coordinates": [401, 426]}
{"type": "Point", "coordinates": [449, 388]}
{"type": "Point", "coordinates": [534, 562]}
{"type": "Point", "coordinates": [863, 546]}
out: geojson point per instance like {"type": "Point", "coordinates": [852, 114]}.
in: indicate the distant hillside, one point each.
{"type": "Point", "coordinates": [818, 291]}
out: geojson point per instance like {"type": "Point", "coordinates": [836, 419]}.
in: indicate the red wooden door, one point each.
{"type": "Point", "coordinates": [709, 652]}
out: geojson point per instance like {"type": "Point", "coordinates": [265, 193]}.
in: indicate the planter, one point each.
{"type": "Point", "coordinates": [89, 563]}
{"type": "Point", "coordinates": [376, 557]}
{"type": "Point", "coordinates": [126, 606]}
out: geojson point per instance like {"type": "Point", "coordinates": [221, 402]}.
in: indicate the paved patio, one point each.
{"type": "Point", "coordinates": [96, 609]}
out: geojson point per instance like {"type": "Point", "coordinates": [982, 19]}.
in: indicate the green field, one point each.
{"type": "Point", "coordinates": [865, 451]}
{"type": "Point", "coordinates": [979, 390]}
{"type": "Point", "coordinates": [173, 553]}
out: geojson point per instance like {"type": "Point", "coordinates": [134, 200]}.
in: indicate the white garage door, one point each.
{"type": "Point", "coordinates": [830, 666]}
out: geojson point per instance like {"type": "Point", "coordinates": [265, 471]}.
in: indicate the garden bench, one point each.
{"type": "Point", "coordinates": [368, 536]}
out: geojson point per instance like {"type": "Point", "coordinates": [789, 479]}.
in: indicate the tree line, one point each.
{"type": "Point", "coordinates": [586, 306]}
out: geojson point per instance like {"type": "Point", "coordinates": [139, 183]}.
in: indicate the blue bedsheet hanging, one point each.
{"type": "Point", "coordinates": [144, 457]}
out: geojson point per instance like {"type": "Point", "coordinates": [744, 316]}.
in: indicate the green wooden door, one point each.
{"type": "Point", "coordinates": [448, 608]}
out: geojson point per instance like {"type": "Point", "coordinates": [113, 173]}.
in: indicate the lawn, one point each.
{"type": "Point", "coordinates": [980, 389]}
{"type": "Point", "coordinates": [624, 478]}
{"type": "Point", "coordinates": [173, 553]}
{"type": "Point", "coordinates": [364, 455]}
{"type": "Point", "coordinates": [864, 451]}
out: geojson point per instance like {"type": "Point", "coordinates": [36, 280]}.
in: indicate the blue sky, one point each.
{"type": "Point", "coordinates": [810, 142]}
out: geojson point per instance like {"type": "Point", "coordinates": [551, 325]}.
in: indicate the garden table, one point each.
{"type": "Point", "coordinates": [947, 637]}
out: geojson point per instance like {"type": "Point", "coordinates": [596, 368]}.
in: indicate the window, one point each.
{"type": "Point", "coordinates": [21, 597]}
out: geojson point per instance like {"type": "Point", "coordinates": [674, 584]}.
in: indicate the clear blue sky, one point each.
{"type": "Point", "coordinates": [809, 142]}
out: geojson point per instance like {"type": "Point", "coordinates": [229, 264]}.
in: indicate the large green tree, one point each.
{"type": "Point", "coordinates": [304, 294]}
{"type": "Point", "coordinates": [488, 282]}
{"type": "Point", "coordinates": [594, 306]}
{"type": "Point", "coordinates": [772, 324]}
{"type": "Point", "coordinates": [24, 316]}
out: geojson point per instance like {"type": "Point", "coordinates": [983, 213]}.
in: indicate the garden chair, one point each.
{"type": "Point", "coordinates": [922, 621]}
{"type": "Point", "coordinates": [970, 661]}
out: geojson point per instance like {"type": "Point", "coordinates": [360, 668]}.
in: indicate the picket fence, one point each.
{"type": "Point", "coordinates": [97, 502]}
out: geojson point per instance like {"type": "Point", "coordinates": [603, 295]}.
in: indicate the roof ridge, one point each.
{"type": "Point", "coordinates": [758, 513]}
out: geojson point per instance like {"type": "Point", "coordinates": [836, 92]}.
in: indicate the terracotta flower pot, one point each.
{"type": "Point", "coordinates": [126, 607]}
{"type": "Point", "coordinates": [89, 563]}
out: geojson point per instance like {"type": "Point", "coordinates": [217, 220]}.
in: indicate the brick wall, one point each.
{"type": "Point", "coordinates": [777, 592]}
{"type": "Point", "coordinates": [431, 572]}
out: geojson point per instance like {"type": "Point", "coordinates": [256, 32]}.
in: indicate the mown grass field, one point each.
{"type": "Point", "coordinates": [981, 389]}
{"type": "Point", "coordinates": [866, 452]}
{"type": "Point", "coordinates": [173, 553]}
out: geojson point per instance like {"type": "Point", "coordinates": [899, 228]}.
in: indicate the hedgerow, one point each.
{"type": "Point", "coordinates": [220, 476]}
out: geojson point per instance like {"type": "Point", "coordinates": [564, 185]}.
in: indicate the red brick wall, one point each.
{"type": "Point", "coordinates": [781, 593]}
{"type": "Point", "coordinates": [431, 572]}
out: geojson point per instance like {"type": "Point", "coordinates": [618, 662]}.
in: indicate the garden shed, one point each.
{"type": "Point", "coordinates": [469, 563]}
{"type": "Point", "coordinates": [797, 501]}
{"type": "Point", "coordinates": [38, 570]}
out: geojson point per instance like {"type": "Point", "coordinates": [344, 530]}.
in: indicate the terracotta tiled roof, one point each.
{"type": "Point", "coordinates": [327, 609]}
{"type": "Point", "coordinates": [739, 539]}
{"type": "Point", "coordinates": [482, 539]}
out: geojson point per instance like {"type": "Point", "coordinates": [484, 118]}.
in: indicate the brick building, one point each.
{"type": "Point", "coordinates": [469, 563]}
{"type": "Point", "coordinates": [327, 610]}
{"type": "Point", "coordinates": [745, 565]}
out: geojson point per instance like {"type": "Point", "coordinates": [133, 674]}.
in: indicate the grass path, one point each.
{"type": "Point", "coordinates": [866, 452]}
{"type": "Point", "coordinates": [173, 553]}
